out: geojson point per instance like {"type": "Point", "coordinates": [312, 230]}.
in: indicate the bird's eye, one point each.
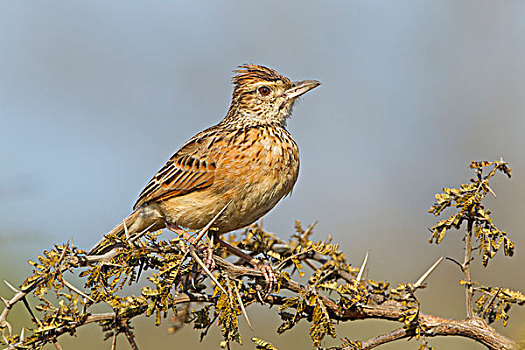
{"type": "Point", "coordinates": [264, 90]}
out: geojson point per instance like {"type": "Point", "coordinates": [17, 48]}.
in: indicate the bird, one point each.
{"type": "Point", "coordinates": [232, 173]}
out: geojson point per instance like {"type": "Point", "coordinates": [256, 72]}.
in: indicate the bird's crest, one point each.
{"type": "Point", "coordinates": [248, 73]}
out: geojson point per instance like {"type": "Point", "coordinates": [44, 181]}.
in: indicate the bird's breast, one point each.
{"type": "Point", "coordinates": [255, 169]}
{"type": "Point", "coordinates": [261, 169]}
{"type": "Point", "coordinates": [262, 159]}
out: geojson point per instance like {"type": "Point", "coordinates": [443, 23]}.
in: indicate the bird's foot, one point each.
{"type": "Point", "coordinates": [269, 275]}
{"type": "Point", "coordinates": [209, 262]}
{"type": "Point", "coordinates": [267, 271]}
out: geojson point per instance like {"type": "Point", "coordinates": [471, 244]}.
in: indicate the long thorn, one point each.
{"type": "Point", "coordinates": [63, 255]}
{"type": "Point", "coordinates": [22, 334]}
{"type": "Point", "coordinates": [84, 308]}
{"type": "Point", "coordinates": [140, 234]}
{"type": "Point", "coordinates": [5, 339]}
{"type": "Point", "coordinates": [283, 262]}
{"type": "Point", "coordinates": [428, 272]}
{"type": "Point", "coordinates": [199, 261]}
{"type": "Point", "coordinates": [9, 329]}
{"type": "Point", "coordinates": [492, 192]}
{"type": "Point", "coordinates": [6, 302]}
{"type": "Point", "coordinates": [125, 229]}
{"type": "Point", "coordinates": [308, 231]}
{"type": "Point", "coordinates": [33, 317]}
{"type": "Point", "coordinates": [73, 288]}
{"type": "Point", "coordinates": [11, 286]}
{"type": "Point", "coordinates": [241, 304]}
{"type": "Point", "coordinates": [489, 305]}
{"type": "Point", "coordinates": [363, 267]}
{"type": "Point", "coordinates": [207, 227]}
{"type": "Point", "coordinates": [309, 263]}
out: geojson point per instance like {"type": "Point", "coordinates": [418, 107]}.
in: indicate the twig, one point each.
{"type": "Point", "coordinates": [131, 338]}
{"type": "Point", "coordinates": [57, 345]}
{"type": "Point", "coordinates": [466, 269]}
{"type": "Point", "coordinates": [454, 261]}
{"type": "Point", "coordinates": [114, 342]}
{"type": "Point", "coordinates": [383, 338]}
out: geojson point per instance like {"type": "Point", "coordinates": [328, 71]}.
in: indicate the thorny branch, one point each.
{"type": "Point", "coordinates": [434, 326]}
{"type": "Point", "coordinates": [335, 292]}
{"type": "Point", "coordinates": [468, 200]}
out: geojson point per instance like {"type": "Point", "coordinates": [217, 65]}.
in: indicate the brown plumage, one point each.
{"type": "Point", "coordinates": [248, 159]}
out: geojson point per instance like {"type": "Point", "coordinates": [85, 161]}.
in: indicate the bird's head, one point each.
{"type": "Point", "coordinates": [261, 95]}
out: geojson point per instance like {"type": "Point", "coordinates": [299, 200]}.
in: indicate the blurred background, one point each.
{"type": "Point", "coordinates": [95, 96]}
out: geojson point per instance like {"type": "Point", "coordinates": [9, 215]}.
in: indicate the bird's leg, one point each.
{"type": "Point", "coordinates": [267, 271]}
{"type": "Point", "coordinates": [207, 251]}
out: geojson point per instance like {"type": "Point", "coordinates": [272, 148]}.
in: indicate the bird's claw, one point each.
{"type": "Point", "coordinates": [269, 275]}
{"type": "Point", "coordinates": [209, 261]}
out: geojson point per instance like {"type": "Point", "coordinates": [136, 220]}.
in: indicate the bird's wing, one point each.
{"type": "Point", "coordinates": [191, 168]}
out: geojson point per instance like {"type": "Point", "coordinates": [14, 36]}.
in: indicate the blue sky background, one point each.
{"type": "Point", "coordinates": [95, 96]}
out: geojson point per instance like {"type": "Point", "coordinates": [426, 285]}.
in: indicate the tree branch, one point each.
{"type": "Point", "coordinates": [399, 333]}
{"type": "Point", "coordinates": [473, 328]}
{"type": "Point", "coordinates": [354, 299]}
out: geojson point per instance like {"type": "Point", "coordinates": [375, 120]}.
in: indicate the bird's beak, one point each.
{"type": "Point", "coordinates": [300, 87]}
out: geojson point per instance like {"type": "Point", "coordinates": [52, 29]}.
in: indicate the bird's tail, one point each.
{"type": "Point", "coordinates": [104, 245]}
